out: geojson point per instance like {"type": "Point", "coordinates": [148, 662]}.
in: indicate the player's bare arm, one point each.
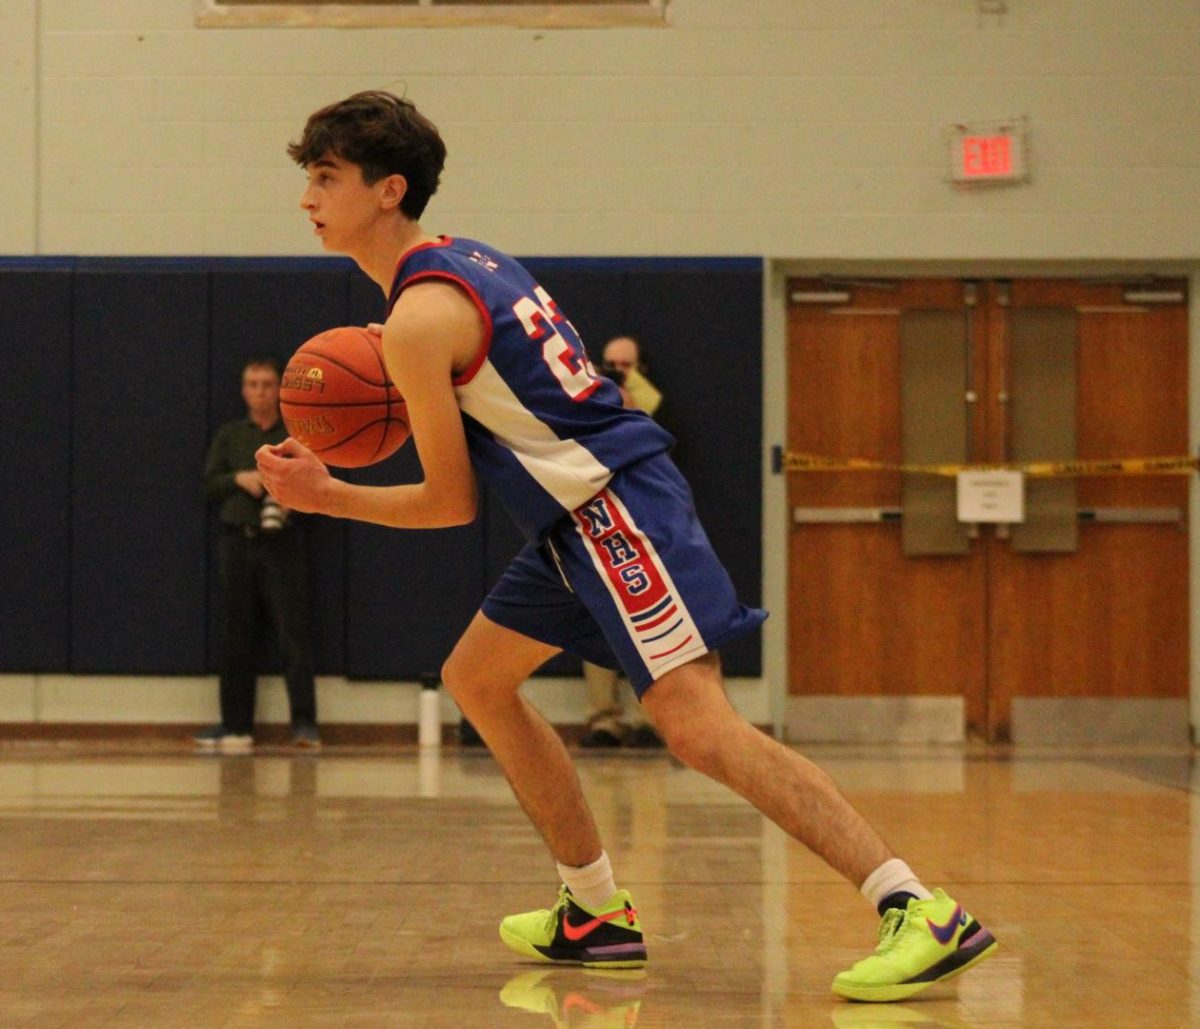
{"type": "Point", "coordinates": [433, 330]}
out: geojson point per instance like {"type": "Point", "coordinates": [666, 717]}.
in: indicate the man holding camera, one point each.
{"type": "Point", "coordinates": [264, 570]}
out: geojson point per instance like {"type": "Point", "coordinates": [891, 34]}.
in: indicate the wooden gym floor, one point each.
{"type": "Point", "coordinates": [143, 886]}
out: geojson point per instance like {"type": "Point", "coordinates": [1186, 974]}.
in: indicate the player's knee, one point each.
{"type": "Point", "coordinates": [696, 745]}
{"type": "Point", "coordinates": [457, 680]}
{"type": "Point", "coordinates": [467, 682]}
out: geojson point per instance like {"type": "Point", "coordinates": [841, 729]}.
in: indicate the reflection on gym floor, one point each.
{"type": "Point", "coordinates": [146, 887]}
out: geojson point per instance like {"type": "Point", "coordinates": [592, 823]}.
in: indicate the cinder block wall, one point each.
{"type": "Point", "coordinates": [766, 127]}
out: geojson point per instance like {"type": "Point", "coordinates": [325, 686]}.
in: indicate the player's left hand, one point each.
{"type": "Point", "coordinates": [293, 475]}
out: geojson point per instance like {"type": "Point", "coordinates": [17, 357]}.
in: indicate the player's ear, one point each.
{"type": "Point", "coordinates": [394, 188]}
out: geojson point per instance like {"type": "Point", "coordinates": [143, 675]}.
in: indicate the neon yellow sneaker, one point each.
{"type": "Point", "coordinates": [609, 937]}
{"type": "Point", "coordinates": [931, 940]}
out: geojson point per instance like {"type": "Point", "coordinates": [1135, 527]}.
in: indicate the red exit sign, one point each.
{"type": "Point", "coordinates": [991, 154]}
{"type": "Point", "coordinates": [986, 156]}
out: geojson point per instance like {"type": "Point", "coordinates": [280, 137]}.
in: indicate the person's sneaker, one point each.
{"type": "Point", "coordinates": [607, 937]}
{"type": "Point", "coordinates": [306, 737]}
{"type": "Point", "coordinates": [599, 737]}
{"type": "Point", "coordinates": [218, 739]}
{"type": "Point", "coordinates": [928, 942]}
{"type": "Point", "coordinates": [236, 743]}
{"type": "Point", "coordinates": [643, 737]}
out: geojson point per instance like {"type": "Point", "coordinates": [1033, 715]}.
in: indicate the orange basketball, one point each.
{"type": "Point", "coordinates": [336, 399]}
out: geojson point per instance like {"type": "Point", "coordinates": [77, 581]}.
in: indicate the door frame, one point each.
{"type": "Point", "coordinates": [774, 400]}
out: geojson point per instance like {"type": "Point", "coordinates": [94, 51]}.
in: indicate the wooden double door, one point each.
{"type": "Point", "coordinates": [1107, 617]}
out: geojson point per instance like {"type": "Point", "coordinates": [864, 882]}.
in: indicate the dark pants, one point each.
{"type": "Point", "coordinates": [264, 580]}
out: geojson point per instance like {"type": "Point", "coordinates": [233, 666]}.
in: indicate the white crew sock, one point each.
{"type": "Point", "coordinates": [592, 884]}
{"type": "Point", "coordinates": [892, 876]}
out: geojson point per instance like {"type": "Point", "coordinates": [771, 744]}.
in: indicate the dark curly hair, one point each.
{"type": "Point", "coordinates": [384, 135]}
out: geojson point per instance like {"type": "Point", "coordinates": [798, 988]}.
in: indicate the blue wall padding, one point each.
{"type": "Point", "coordinates": [35, 453]}
{"type": "Point", "coordinates": [119, 371]}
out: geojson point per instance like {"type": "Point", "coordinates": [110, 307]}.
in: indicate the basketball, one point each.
{"type": "Point", "coordinates": [336, 399]}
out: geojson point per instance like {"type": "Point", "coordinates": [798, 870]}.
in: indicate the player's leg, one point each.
{"type": "Point", "coordinates": [701, 728]}
{"type": "Point", "coordinates": [646, 571]}
{"type": "Point", "coordinates": [640, 732]}
{"type": "Point", "coordinates": [529, 615]}
{"type": "Point", "coordinates": [924, 937]}
{"type": "Point", "coordinates": [592, 922]}
{"type": "Point", "coordinates": [483, 674]}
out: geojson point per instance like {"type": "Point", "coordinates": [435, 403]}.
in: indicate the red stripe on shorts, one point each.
{"type": "Point", "coordinates": [614, 561]}
{"type": "Point", "coordinates": [668, 653]}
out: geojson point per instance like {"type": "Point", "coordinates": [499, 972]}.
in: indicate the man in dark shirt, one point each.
{"type": "Point", "coordinates": [264, 570]}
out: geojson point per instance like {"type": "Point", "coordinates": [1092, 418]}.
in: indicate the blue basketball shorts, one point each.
{"type": "Point", "coordinates": [628, 580]}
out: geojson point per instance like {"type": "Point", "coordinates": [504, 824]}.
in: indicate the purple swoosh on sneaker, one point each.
{"type": "Point", "coordinates": [945, 933]}
{"type": "Point", "coordinates": [618, 948]}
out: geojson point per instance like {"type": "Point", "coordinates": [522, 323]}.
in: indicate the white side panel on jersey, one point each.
{"type": "Point", "coordinates": [565, 469]}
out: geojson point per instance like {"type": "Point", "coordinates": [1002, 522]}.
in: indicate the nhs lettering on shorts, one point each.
{"type": "Point", "coordinates": [655, 618]}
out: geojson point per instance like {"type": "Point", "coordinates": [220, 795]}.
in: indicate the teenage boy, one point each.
{"type": "Point", "coordinates": [617, 569]}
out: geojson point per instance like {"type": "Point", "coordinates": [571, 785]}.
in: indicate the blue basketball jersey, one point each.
{"type": "Point", "coordinates": [543, 429]}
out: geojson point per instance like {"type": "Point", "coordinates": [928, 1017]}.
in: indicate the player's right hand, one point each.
{"type": "Point", "coordinates": [293, 475]}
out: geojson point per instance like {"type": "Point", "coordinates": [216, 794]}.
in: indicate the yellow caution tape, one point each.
{"type": "Point", "coordinates": [794, 462]}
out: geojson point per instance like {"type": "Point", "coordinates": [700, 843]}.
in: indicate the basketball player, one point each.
{"type": "Point", "coordinates": [617, 569]}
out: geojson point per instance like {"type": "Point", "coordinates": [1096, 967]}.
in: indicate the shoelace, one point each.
{"type": "Point", "coordinates": [552, 914]}
{"type": "Point", "coordinates": [890, 929]}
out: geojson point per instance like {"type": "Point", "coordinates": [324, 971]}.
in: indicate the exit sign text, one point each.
{"type": "Point", "coordinates": [986, 156]}
{"type": "Point", "coordinates": [988, 153]}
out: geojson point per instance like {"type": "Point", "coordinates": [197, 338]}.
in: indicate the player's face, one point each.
{"type": "Point", "coordinates": [339, 204]}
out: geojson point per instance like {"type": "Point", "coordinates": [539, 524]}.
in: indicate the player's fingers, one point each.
{"type": "Point", "coordinates": [287, 449]}
{"type": "Point", "coordinates": [270, 463]}
{"type": "Point", "coordinates": [375, 327]}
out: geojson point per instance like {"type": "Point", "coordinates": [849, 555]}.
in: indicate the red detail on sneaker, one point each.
{"type": "Point", "coordinates": [574, 933]}
{"type": "Point", "coordinates": [945, 933]}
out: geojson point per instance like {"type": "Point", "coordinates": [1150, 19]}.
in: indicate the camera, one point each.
{"type": "Point", "coordinates": [270, 516]}
{"type": "Point", "coordinates": [611, 371]}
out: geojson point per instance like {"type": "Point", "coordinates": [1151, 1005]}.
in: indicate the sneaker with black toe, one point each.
{"type": "Point", "coordinates": [601, 733]}
{"type": "Point", "coordinates": [928, 942]}
{"type": "Point", "coordinates": [571, 933]}
{"type": "Point", "coordinates": [306, 737]}
{"type": "Point", "coordinates": [643, 737]}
